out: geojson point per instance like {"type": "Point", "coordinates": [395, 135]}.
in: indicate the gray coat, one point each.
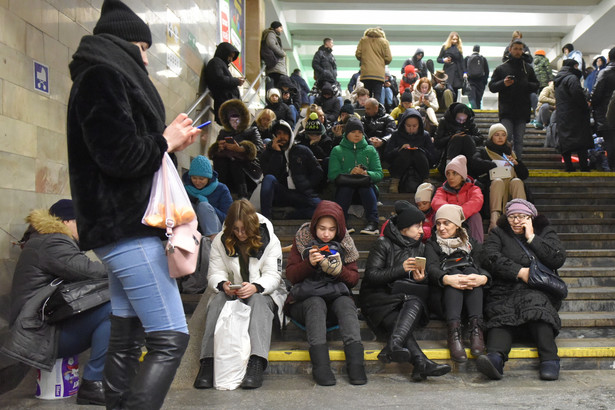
{"type": "Point", "coordinates": [272, 53]}
{"type": "Point", "coordinates": [49, 253]}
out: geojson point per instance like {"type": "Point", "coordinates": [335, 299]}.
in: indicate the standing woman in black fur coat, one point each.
{"type": "Point", "coordinates": [116, 140]}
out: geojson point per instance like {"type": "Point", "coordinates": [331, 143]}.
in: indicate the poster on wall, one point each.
{"type": "Point", "coordinates": [232, 27]}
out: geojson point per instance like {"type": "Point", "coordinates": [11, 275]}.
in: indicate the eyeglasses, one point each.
{"type": "Point", "coordinates": [519, 217]}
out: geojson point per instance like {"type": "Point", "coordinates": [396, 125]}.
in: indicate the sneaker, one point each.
{"type": "Point", "coordinates": [539, 126]}
{"type": "Point", "coordinates": [350, 230]}
{"type": "Point", "coordinates": [370, 229]}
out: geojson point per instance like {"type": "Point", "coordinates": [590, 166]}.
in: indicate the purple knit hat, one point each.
{"type": "Point", "coordinates": [521, 206]}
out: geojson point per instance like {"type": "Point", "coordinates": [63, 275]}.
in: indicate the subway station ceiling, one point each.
{"type": "Point", "coordinates": [545, 24]}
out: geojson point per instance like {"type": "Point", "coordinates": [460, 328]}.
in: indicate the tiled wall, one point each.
{"type": "Point", "coordinates": [33, 159]}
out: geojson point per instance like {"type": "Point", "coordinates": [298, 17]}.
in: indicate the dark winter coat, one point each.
{"type": "Point", "coordinates": [330, 106]}
{"type": "Point", "coordinates": [304, 89]}
{"type": "Point", "coordinates": [448, 126]}
{"type": "Point", "coordinates": [220, 81]}
{"type": "Point", "coordinates": [573, 127]}
{"type": "Point", "coordinates": [484, 78]}
{"type": "Point", "coordinates": [287, 84]}
{"type": "Point", "coordinates": [50, 253]}
{"type": "Point", "coordinates": [220, 198]}
{"type": "Point", "coordinates": [593, 76]}
{"type": "Point", "coordinates": [304, 168]}
{"type": "Point", "coordinates": [483, 163]}
{"type": "Point", "coordinates": [419, 64]}
{"type": "Point", "coordinates": [385, 266]}
{"type": "Point", "coordinates": [420, 140]}
{"type": "Point", "coordinates": [115, 145]}
{"type": "Point", "coordinates": [514, 101]}
{"type": "Point", "coordinates": [510, 301]}
{"type": "Point", "coordinates": [324, 63]}
{"type": "Point", "coordinates": [603, 90]}
{"type": "Point", "coordinates": [282, 112]}
{"type": "Point", "coordinates": [455, 68]}
{"type": "Point", "coordinates": [321, 149]}
{"type": "Point", "coordinates": [527, 55]}
{"type": "Point", "coordinates": [381, 125]}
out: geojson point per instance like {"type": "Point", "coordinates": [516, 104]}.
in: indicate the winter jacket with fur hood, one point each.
{"type": "Point", "coordinates": [115, 145]}
{"type": "Point", "coordinates": [374, 53]}
{"type": "Point", "coordinates": [49, 253]}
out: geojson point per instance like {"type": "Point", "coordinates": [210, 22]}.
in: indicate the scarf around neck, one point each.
{"type": "Point", "coordinates": [203, 193]}
{"type": "Point", "coordinates": [451, 245]}
{"type": "Point", "coordinates": [304, 238]}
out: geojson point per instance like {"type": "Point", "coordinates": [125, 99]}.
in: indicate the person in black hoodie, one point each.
{"type": "Point", "coordinates": [281, 110]}
{"type": "Point", "coordinates": [573, 126]}
{"type": "Point", "coordinates": [117, 137]}
{"type": "Point", "coordinates": [329, 102]}
{"type": "Point", "coordinates": [221, 83]}
{"type": "Point", "coordinates": [417, 61]}
{"type": "Point", "coordinates": [316, 139]}
{"type": "Point", "coordinates": [514, 81]}
{"type": "Point", "coordinates": [457, 134]}
{"type": "Point", "coordinates": [410, 153]}
{"type": "Point", "coordinates": [304, 89]}
{"type": "Point", "coordinates": [290, 95]}
{"type": "Point", "coordinates": [291, 174]}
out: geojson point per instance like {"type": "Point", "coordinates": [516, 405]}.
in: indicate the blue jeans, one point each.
{"type": "Point", "coordinates": [140, 284]}
{"type": "Point", "coordinates": [515, 128]}
{"type": "Point", "coordinates": [274, 193]}
{"type": "Point", "coordinates": [88, 329]}
{"type": "Point", "coordinates": [386, 96]}
{"type": "Point", "coordinates": [344, 194]}
{"type": "Point", "coordinates": [208, 219]}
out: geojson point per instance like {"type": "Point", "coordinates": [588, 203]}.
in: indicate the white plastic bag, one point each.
{"type": "Point", "coordinates": [169, 205]}
{"type": "Point", "coordinates": [231, 345]}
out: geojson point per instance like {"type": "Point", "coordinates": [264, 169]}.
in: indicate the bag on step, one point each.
{"type": "Point", "coordinates": [231, 345]}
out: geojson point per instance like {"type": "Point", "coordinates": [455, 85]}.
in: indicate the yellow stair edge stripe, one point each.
{"type": "Point", "coordinates": [444, 354]}
{"type": "Point", "coordinates": [556, 173]}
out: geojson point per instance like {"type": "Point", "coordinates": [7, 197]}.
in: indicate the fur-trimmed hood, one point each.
{"type": "Point", "coordinates": [43, 222]}
{"type": "Point", "coordinates": [374, 32]}
{"type": "Point", "coordinates": [238, 106]}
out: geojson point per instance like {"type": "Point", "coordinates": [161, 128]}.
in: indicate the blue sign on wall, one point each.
{"type": "Point", "coordinates": [41, 77]}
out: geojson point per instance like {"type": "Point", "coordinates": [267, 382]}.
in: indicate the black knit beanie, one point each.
{"type": "Point", "coordinates": [275, 24]}
{"type": "Point", "coordinates": [409, 216]}
{"type": "Point", "coordinates": [118, 19]}
{"type": "Point", "coordinates": [347, 107]}
{"type": "Point", "coordinates": [354, 124]}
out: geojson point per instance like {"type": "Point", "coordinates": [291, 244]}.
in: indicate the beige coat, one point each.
{"type": "Point", "coordinates": [374, 53]}
{"type": "Point", "coordinates": [547, 96]}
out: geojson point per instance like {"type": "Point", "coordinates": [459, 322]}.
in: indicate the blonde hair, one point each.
{"type": "Point", "coordinates": [242, 210]}
{"type": "Point", "coordinates": [421, 81]}
{"type": "Point", "coordinates": [517, 35]}
{"type": "Point", "coordinates": [264, 112]}
{"type": "Point", "coordinates": [448, 42]}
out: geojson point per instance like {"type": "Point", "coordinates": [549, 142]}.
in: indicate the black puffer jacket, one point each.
{"type": "Point", "coordinates": [381, 125]}
{"type": "Point", "coordinates": [603, 90]}
{"type": "Point", "coordinates": [448, 126]}
{"type": "Point", "coordinates": [324, 63]}
{"type": "Point", "coordinates": [514, 101]}
{"type": "Point", "coordinates": [573, 126]}
{"type": "Point", "coordinates": [420, 140]}
{"type": "Point", "coordinates": [385, 266]}
{"type": "Point", "coordinates": [219, 79]}
{"type": "Point", "coordinates": [285, 83]}
{"type": "Point", "coordinates": [49, 253]}
{"type": "Point", "coordinates": [330, 106]}
{"type": "Point", "coordinates": [509, 301]}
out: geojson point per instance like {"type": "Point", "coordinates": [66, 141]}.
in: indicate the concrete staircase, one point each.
{"type": "Point", "coordinates": [581, 206]}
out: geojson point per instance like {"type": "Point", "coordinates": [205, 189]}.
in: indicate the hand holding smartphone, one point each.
{"type": "Point", "coordinates": [234, 287]}
{"type": "Point", "coordinates": [420, 262]}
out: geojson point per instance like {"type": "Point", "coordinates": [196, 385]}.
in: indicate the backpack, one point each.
{"type": "Point", "coordinates": [475, 67]}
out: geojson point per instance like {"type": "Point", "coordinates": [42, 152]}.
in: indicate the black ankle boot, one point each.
{"type": "Point", "coordinates": [355, 365]}
{"type": "Point", "coordinates": [126, 341]}
{"type": "Point", "coordinates": [408, 315]}
{"type": "Point", "coordinates": [254, 373]}
{"type": "Point", "coordinates": [321, 365]}
{"type": "Point", "coordinates": [91, 392]}
{"type": "Point", "coordinates": [205, 378]}
{"type": "Point", "coordinates": [423, 367]}
{"type": "Point", "coordinates": [164, 353]}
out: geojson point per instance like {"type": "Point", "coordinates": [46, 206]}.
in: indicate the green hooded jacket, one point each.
{"type": "Point", "coordinates": [347, 155]}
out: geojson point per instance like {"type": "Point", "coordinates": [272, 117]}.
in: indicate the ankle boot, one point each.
{"type": "Point", "coordinates": [422, 366]}
{"type": "Point", "coordinates": [164, 353]}
{"type": "Point", "coordinates": [394, 186]}
{"type": "Point", "coordinates": [408, 315]}
{"type": "Point", "coordinates": [458, 353]}
{"type": "Point", "coordinates": [568, 167]}
{"type": "Point", "coordinates": [254, 373]}
{"type": "Point", "coordinates": [91, 392]}
{"type": "Point", "coordinates": [205, 378]}
{"type": "Point", "coordinates": [477, 342]}
{"type": "Point", "coordinates": [355, 365]}
{"type": "Point", "coordinates": [126, 341]}
{"type": "Point", "coordinates": [385, 354]}
{"type": "Point", "coordinates": [493, 222]}
{"type": "Point", "coordinates": [491, 365]}
{"type": "Point", "coordinates": [321, 365]}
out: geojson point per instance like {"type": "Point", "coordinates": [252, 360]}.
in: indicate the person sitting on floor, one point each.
{"type": "Point", "coordinates": [422, 199]}
{"type": "Point", "coordinates": [323, 255]}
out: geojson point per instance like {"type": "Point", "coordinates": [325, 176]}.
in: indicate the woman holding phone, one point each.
{"type": "Point", "coordinates": [454, 266]}
{"type": "Point", "coordinates": [245, 263]}
{"type": "Point", "coordinates": [394, 293]}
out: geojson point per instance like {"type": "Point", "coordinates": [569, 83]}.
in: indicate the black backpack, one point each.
{"type": "Point", "coordinates": [475, 68]}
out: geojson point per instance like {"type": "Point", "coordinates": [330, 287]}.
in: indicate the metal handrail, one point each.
{"type": "Point", "coordinates": [201, 114]}
{"type": "Point", "coordinates": [197, 102]}
{"type": "Point", "coordinates": [252, 89]}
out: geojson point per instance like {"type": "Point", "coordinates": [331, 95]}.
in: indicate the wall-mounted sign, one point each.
{"type": "Point", "coordinates": [41, 77]}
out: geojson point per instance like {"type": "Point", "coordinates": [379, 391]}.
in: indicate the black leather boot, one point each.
{"type": "Point", "coordinates": [164, 353]}
{"type": "Point", "coordinates": [477, 342]}
{"type": "Point", "coordinates": [205, 378]}
{"type": "Point", "coordinates": [409, 313]}
{"type": "Point", "coordinates": [91, 392]}
{"type": "Point", "coordinates": [254, 373]}
{"type": "Point", "coordinates": [321, 365]}
{"type": "Point", "coordinates": [423, 367]}
{"type": "Point", "coordinates": [458, 353]}
{"type": "Point", "coordinates": [355, 365]}
{"type": "Point", "coordinates": [126, 341]}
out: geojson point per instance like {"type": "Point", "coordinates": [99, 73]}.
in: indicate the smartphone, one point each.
{"type": "Point", "coordinates": [235, 287]}
{"type": "Point", "coordinates": [229, 140]}
{"type": "Point", "coordinates": [362, 167]}
{"type": "Point", "coordinates": [420, 262]}
{"type": "Point", "coordinates": [510, 77]}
